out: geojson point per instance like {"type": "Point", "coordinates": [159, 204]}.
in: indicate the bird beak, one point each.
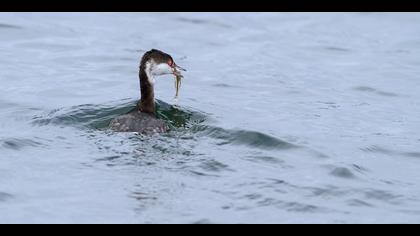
{"type": "Point", "coordinates": [177, 70]}
{"type": "Point", "coordinates": [178, 67]}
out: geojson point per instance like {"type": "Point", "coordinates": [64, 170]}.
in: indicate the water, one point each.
{"type": "Point", "coordinates": [282, 118]}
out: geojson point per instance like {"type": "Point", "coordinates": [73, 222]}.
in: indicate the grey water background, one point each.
{"type": "Point", "coordinates": [282, 118]}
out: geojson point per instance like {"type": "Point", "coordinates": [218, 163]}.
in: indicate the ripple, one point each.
{"type": "Point", "coordinates": [222, 85]}
{"type": "Point", "coordinates": [382, 195]}
{"type": "Point", "coordinates": [342, 172]}
{"type": "Point", "coordinates": [202, 222]}
{"type": "Point", "coordinates": [243, 137]}
{"type": "Point", "coordinates": [328, 105]}
{"type": "Point", "coordinates": [98, 116]}
{"type": "Point", "coordinates": [89, 115]}
{"type": "Point", "coordinates": [179, 117]}
{"type": "Point", "coordinates": [5, 196]}
{"type": "Point", "coordinates": [108, 158]}
{"type": "Point", "coordinates": [9, 26]}
{"type": "Point", "coordinates": [358, 203]}
{"type": "Point", "coordinates": [301, 207]}
{"type": "Point", "coordinates": [291, 206]}
{"type": "Point", "coordinates": [381, 150]}
{"type": "Point", "coordinates": [18, 144]}
{"type": "Point", "coordinates": [372, 90]}
{"type": "Point", "coordinates": [201, 174]}
{"type": "Point", "coordinates": [377, 149]}
{"type": "Point", "coordinates": [411, 154]}
{"type": "Point", "coordinates": [214, 166]}
{"type": "Point", "coordinates": [328, 191]}
{"type": "Point", "coordinates": [253, 196]}
{"type": "Point", "coordinates": [181, 120]}
{"type": "Point", "coordinates": [359, 168]}
{"type": "Point", "coordinates": [202, 21]}
{"type": "Point", "coordinates": [141, 196]}
{"type": "Point", "coordinates": [266, 159]}
{"type": "Point", "coordinates": [337, 49]}
{"type": "Point", "coordinates": [144, 199]}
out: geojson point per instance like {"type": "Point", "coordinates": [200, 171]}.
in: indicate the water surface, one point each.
{"type": "Point", "coordinates": [282, 118]}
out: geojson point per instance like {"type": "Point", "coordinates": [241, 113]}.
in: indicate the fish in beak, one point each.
{"type": "Point", "coordinates": [178, 76]}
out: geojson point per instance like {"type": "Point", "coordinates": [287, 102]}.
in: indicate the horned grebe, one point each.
{"type": "Point", "coordinates": [143, 119]}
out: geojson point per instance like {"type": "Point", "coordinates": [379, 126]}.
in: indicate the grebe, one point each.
{"type": "Point", "coordinates": [143, 120]}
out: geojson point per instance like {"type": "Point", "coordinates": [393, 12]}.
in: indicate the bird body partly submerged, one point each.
{"type": "Point", "coordinates": [138, 121]}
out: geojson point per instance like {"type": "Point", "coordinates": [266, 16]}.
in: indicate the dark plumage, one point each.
{"type": "Point", "coordinates": [138, 122]}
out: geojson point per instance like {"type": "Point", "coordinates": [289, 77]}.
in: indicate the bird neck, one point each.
{"type": "Point", "coordinates": [147, 100]}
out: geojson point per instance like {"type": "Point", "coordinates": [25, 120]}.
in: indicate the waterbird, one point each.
{"type": "Point", "coordinates": [143, 119]}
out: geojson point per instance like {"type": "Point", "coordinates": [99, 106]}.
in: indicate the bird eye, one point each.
{"type": "Point", "coordinates": [170, 62]}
